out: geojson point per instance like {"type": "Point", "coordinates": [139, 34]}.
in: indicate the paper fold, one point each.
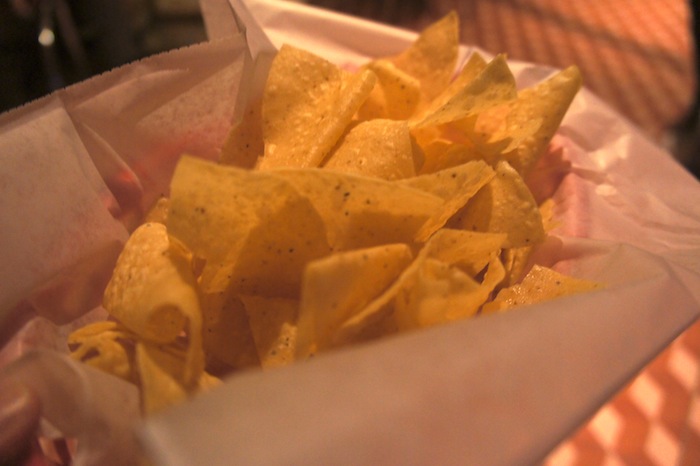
{"type": "Point", "coordinates": [80, 166]}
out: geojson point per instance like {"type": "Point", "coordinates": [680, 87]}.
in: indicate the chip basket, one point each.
{"type": "Point", "coordinates": [499, 389]}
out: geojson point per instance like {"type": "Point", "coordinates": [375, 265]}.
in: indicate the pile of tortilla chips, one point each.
{"type": "Point", "coordinates": [347, 206]}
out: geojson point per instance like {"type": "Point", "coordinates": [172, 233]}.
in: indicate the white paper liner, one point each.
{"type": "Point", "coordinates": [79, 167]}
{"type": "Point", "coordinates": [497, 390]}
{"type": "Point", "coordinates": [83, 404]}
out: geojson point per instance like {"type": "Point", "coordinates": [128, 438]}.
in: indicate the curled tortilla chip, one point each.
{"type": "Point", "coordinates": [419, 281]}
{"type": "Point", "coordinates": [162, 372]}
{"type": "Point", "coordinates": [153, 293]}
{"type": "Point", "coordinates": [438, 294]}
{"type": "Point", "coordinates": [107, 346]}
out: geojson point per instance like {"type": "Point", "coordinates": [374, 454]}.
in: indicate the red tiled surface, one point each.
{"type": "Point", "coordinates": [655, 420]}
{"type": "Point", "coordinates": [635, 55]}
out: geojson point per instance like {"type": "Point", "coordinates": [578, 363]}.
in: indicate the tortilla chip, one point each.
{"type": "Point", "coordinates": [307, 104]}
{"type": "Point", "coordinates": [381, 148]}
{"type": "Point", "coordinates": [494, 85]}
{"type": "Point", "coordinates": [107, 346]}
{"type": "Point", "coordinates": [438, 294]}
{"type": "Point", "coordinates": [244, 143]}
{"type": "Point", "coordinates": [159, 212]}
{"type": "Point", "coordinates": [540, 284]}
{"type": "Point", "coordinates": [228, 338]}
{"type": "Point", "coordinates": [337, 286]}
{"type": "Point", "coordinates": [161, 371]}
{"type": "Point", "coordinates": [396, 94]}
{"type": "Point", "coordinates": [153, 293]}
{"type": "Point", "coordinates": [432, 57]}
{"type": "Point", "coordinates": [547, 103]}
{"type": "Point", "coordinates": [515, 260]}
{"type": "Point", "coordinates": [456, 186]}
{"type": "Point", "coordinates": [360, 211]}
{"type": "Point", "coordinates": [273, 322]}
{"type": "Point", "coordinates": [232, 218]}
{"type": "Point", "coordinates": [504, 205]}
{"type": "Point", "coordinates": [468, 250]}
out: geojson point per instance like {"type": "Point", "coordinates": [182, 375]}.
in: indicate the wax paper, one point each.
{"type": "Point", "coordinates": [78, 170]}
{"type": "Point", "coordinates": [79, 167]}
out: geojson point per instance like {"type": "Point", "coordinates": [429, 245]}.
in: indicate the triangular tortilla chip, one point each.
{"type": "Point", "coordinates": [307, 104]}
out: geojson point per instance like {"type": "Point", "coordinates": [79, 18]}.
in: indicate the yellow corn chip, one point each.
{"type": "Point", "coordinates": [515, 261]}
{"type": "Point", "coordinates": [494, 85]}
{"type": "Point", "coordinates": [381, 148]}
{"type": "Point", "coordinates": [244, 143]}
{"type": "Point", "coordinates": [307, 104]}
{"type": "Point", "coordinates": [441, 154]}
{"type": "Point", "coordinates": [232, 218]}
{"type": "Point", "coordinates": [396, 94]}
{"type": "Point", "coordinates": [438, 293]}
{"type": "Point", "coordinates": [153, 293]}
{"type": "Point", "coordinates": [432, 57]}
{"type": "Point", "coordinates": [273, 322]}
{"type": "Point", "coordinates": [227, 336]}
{"type": "Point", "coordinates": [161, 370]}
{"type": "Point", "coordinates": [105, 345]}
{"type": "Point", "coordinates": [337, 286]}
{"type": "Point", "coordinates": [504, 205]}
{"type": "Point", "coordinates": [361, 211]}
{"type": "Point", "coordinates": [468, 250]}
{"type": "Point", "coordinates": [159, 212]}
{"type": "Point", "coordinates": [547, 103]}
{"type": "Point", "coordinates": [540, 284]}
{"type": "Point", "coordinates": [456, 186]}
{"type": "Point", "coordinates": [496, 131]}
{"type": "Point", "coordinates": [437, 276]}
